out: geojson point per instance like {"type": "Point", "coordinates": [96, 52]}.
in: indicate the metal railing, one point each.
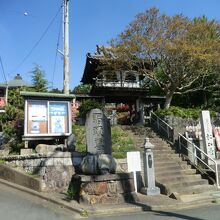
{"type": "Point", "coordinates": [117, 84]}
{"type": "Point", "coordinates": [187, 148]}
{"type": "Point", "coordinates": [162, 127]}
{"type": "Point", "coordinates": [197, 156]}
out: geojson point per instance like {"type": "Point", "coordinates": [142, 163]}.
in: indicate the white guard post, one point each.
{"type": "Point", "coordinates": [134, 164]}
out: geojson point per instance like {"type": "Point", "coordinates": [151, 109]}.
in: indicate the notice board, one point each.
{"type": "Point", "coordinates": [47, 118]}
{"type": "Point", "coordinates": [58, 117]}
{"type": "Point", "coordinates": [37, 117]}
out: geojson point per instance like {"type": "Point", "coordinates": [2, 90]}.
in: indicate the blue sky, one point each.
{"type": "Point", "coordinates": [92, 22]}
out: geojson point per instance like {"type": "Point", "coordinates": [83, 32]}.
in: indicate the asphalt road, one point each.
{"type": "Point", "coordinates": [205, 213]}
{"type": "Point", "coordinates": [17, 205]}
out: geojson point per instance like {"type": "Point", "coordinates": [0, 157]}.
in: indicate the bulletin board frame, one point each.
{"type": "Point", "coordinates": [47, 115]}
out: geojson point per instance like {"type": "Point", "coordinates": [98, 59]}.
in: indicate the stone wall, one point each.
{"type": "Point", "coordinates": [55, 169]}
{"type": "Point", "coordinates": [14, 176]}
{"type": "Point", "coordinates": [179, 124]}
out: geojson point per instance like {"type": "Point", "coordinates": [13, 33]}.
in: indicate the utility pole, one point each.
{"type": "Point", "coordinates": [66, 46]}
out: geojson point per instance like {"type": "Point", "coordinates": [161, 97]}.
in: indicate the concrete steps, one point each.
{"type": "Point", "coordinates": [178, 177]}
{"type": "Point", "coordinates": [175, 177]}
{"type": "Point", "coordinates": [210, 196]}
{"type": "Point", "coordinates": [174, 172]}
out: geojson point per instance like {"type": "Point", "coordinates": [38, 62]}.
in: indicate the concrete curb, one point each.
{"type": "Point", "coordinates": [80, 211]}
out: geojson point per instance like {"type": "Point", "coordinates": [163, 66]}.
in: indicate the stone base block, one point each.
{"type": "Point", "coordinates": [150, 191]}
{"type": "Point", "coordinates": [103, 189]}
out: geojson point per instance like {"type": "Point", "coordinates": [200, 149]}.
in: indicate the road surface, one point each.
{"type": "Point", "coordinates": [15, 204]}
{"type": "Point", "coordinates": [18, 205]}
{"type": "Point", "coordinates": [205, 213]}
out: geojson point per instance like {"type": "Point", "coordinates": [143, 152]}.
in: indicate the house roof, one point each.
{"type": "Point", "coordinates": [46, 95]}
{"type": "Point", "coordinates": [16, 82]}
{"type": "Point", "coordinates": [93, 61]}
{"type": "Point", "coordinates": [90, 70]}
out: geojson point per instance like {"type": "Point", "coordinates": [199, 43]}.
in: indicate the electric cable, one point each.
{"type": "Point", "coordinates": [3, 70]}
{"type": "Point", "coordinates": [55, 61]}
{"type": "Point", "coordinates": [37, 43]}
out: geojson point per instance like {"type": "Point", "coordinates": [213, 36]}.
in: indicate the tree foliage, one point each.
{"type": "Point", "coordinates": [38, 79]}
{"type": "Point", "coordinates": [88, 105]}
{"type": "Point", "coordinates": [82, 89]}
{"type": "Point", "coordinates": [176, 53]}
{"type": "Point", "coordinates": [12, 121]}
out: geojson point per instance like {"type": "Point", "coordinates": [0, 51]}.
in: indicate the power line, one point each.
{"type": "Point", "coordinates": [37, 43]}
{"type": "Point", "coordinates": [3, 70]}
{"type": "Point", "coordinates": [55, 61]}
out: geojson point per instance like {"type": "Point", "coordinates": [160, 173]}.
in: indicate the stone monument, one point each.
{"type": "Point", "coordinates": [98, 133]}
{"type": "Point", "coordinates": [207, 135]}
{"type": "Point", "coordinates": [99, 147]}
{"type": "Point", "coordinates": [98, 182]}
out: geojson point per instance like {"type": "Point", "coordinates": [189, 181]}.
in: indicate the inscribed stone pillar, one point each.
{"type": "Point", "coordinates": [98, 133]}
{"type": "Point", "coordinates": [207, 135]}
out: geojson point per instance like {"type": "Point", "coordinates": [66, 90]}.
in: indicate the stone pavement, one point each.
{"type": "Point", "coordinates": [144, 203]}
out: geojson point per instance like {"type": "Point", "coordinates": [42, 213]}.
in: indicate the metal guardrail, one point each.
{"type": "Point", "coordinates": [165, 129]}
{"type": "Point", "coordinates": [195, 155]}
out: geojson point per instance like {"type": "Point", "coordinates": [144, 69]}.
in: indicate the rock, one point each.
{"type": "Point", "coordinates": [106, 164]}
{"type": "Point", "coordinates": [71, 143]}
{"type": "Point", "coordinates": [98, 164]}
{"type": "Point", "coordinates": [89, 164]}
{"type": "Point", "coordinates": [44, 148]}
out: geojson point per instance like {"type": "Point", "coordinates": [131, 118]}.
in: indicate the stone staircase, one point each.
{"type": "Point", "coordinates": [175, 177]}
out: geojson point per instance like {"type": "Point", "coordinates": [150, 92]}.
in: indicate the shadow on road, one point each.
{"type": "Point", "coordinates": [176, 215]}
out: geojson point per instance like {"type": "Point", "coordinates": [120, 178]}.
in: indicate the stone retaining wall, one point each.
{"type": "Point", "coordinates": [35, 162]}
{"type": "Point", "coordinates": [14, 176]}
{"type": "Point", "coordinates": [55, 169]}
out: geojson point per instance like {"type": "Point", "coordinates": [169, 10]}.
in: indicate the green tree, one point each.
{"type": "Point", "coordinates": [12, 121]}
{"type": "Point", "coordinates": [176, 53]}
{"type": "Point", "coordinates": [88, 105]}
{"type": "Point", "coordinates": [82, 89]}
{"type": "Point", "coordinates": [38, 79]}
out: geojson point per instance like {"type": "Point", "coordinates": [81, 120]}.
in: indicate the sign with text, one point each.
{"type": "Point", "coordinates": [37, 117]}
{"type": "Point", "coordinates": [58, 117]}
{"type": "Point", "coordinates": [134, 161]}
{"type": "Point", "coordinates": [207, 135]}
{"type": "Point", "coordinates": [47, 118]}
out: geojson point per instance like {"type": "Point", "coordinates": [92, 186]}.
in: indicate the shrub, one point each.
{"type": "Point", "coordinates": [79, 132]}
{"type": "Point", "coordinates": [87, 105]}
{"type": "Point", "coordinates": [193, 113]}
{"type": "Point", "coordinates": [121, 143]}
